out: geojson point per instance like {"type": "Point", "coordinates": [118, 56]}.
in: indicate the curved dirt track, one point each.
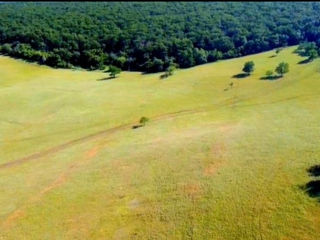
{"type": "Point", "coordinates": [125, 126]}
{"type": "Point", "coordinates": [71, 143]}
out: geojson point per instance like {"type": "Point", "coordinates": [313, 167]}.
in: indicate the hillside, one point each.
{"type": "Point", "coordinates": [213, 162]}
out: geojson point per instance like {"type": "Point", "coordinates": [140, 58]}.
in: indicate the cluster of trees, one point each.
{"type": "Point", "coordinates": [151, 36]}
{"type": "Point", "coordinates": [281, 69]}
{"type": "Point", "coordinates": [308, 49]}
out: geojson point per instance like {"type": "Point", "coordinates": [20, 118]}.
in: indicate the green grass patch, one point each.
{"type": "Point", "coordinates": [216, 160]}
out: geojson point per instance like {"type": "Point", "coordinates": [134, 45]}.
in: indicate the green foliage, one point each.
{"type": "Point", "coordinates": [211, 157]}
{"type": "Point", "coordinates": [200, 56]}
{"type": "Point", "coordinates": [6, 48]}
{"type": "Point", "coordinates": [154, 65]}
{"type": "Point", "coordinates": [312, 54]}
{"type": "Point", "coordinates": [143, 120]}
{"type": "Point", "coordinates": [169, 71]}
{"type": "Point", "coordinates": [120, 61]}
{"type": "Point", "coordinates": [113, 71]}
{"type": "Point", "coordinates": [148, 36]}
{"type": "Point", "coordinates": [248, 67]}
{"type": "Point", "coordinates": [282, 68]}
{"type": "Point", "coordinates": [306, 49]}
{"type": "Point", "coordinates": [214, 55]}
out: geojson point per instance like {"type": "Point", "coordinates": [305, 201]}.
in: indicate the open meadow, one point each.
{"type": "Point", "coordinates": [216, 160]}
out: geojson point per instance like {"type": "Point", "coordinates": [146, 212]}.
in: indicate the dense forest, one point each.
{"type": "Point", "coordinates": [151, 36]}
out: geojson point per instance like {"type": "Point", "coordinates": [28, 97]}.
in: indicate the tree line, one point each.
{"type": "Point", "coordinates": [151, 36]}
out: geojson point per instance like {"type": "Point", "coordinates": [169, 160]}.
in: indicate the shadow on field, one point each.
{"type": "Point", "coordinates": [304, 61]}
{"type": "Point", "coordinates": [105, 79]}
{"type": "Point", "coordinates": [137, 126]}
{"type": "Point", "coordinates": [272, 56]}
{"type": "Point", "coordinates": [312, 188]}
{"type": "Point", "coordinates": [240, 75]}
{"type": "Point", "coordinates": [271, 78]}
{"type": "Point", "coordinates": [314, 171]}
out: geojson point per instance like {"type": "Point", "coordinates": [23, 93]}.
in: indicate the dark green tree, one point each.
{"type": "Point", "coordinates": [143, 121]}
{"type": "Point", "coordinates": [113, 71]}
{"type": "Point", "coordinates": [313, 54]}
{"type": "Point", "coordinates": [282, 68]}
{"type": "Point", "coordinates": [6, 48]}
{"type": "Point", "coordinates": [169, 71]}
{"type": "Point", "coordinates": [248, 67]}
{"type": "Point", "coordinates": [147, 36]}
{"type": "Point", "coordinates": [200, 56]}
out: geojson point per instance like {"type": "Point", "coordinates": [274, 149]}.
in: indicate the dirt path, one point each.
{"type": "Point", "coordinates": [63, 146]}
{"type": "Point", "coordinates": [87, 138]}
{"type": "Point", "coordinates": [166, 116]}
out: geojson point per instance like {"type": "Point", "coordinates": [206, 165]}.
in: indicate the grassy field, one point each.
{"type": "Point", "coordinates": [213, 162]}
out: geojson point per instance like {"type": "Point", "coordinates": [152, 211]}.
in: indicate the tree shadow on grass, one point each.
{"type": "Point", "coordinates": [305, 61]}
{"type": "Point", "coordinates": [240, 75]}
{"type": "Point", "coordinates": [137, 126]}
{"type": "Point", "coordinates": [271, 78]}
{"type": "Point", "coordinates": [314, 171]}
{"type": "Point", "coordinates": [312, 188]}
{"type": "Point", "coordinates": [164, 76]}
{"type": "Point", "coordinates": [105, 79]}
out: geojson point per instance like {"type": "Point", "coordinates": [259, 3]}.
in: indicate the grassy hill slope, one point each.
{"type": "Point", "coordinates": [214, 162]}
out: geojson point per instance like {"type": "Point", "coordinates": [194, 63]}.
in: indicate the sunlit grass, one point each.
{"type": "Point", "coordinates": [213, 162]}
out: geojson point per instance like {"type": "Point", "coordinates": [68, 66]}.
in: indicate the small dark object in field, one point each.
{"type": "Point", "coordinates": [240, 75]}
{"type": "Point", "coordinates": [313, 188]}
{"type": "Point", "coordinates": [143, 121]}
{"type": "Point", "coordinates": [305, 61]}
{"type": "Point", "coordinates": [163, 76]}
{"type": "Point", "coordinates": [314, 171]}
{"type": "Point", "coordinates": [105, 79]}
{"type": "Point", "coordinates": [270, 78]}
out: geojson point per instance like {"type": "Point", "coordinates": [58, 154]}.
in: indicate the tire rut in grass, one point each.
{"type": "Point", "coordinates": [84, 139]}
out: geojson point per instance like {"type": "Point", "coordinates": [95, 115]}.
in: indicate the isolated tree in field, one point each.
{"type": "Point", "coordinates": [248, 67]}
{"type": "Point", "coordinates": [282, 68]}
{"type": "Point", "coordinates": [312, 55]}
{"type": "Point", "coordinates": [113, 71]}
{"type": "Point", "coordinates": [169, 71]}
{"type": "Point", "coordinates": [143, 121]}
